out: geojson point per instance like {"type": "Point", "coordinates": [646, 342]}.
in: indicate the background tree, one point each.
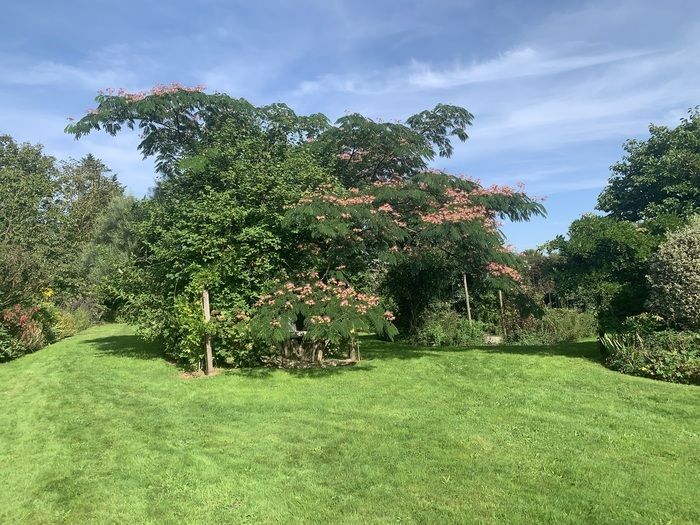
{"type": "Point", "coordinates": [106, 263]}
{"type": "Point", "coordinates": [602, 268]}
{"type": "Point", "coordinates": [85, 189]}
{"type": "Point", "coordinates": [27, 187]}
{"type": "Point", "coordinates": [658, 180]}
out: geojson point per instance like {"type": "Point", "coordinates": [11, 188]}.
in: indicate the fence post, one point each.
{"type": "Point", "coordinates": [503, 313]}
{"type": "Point", "coordinates": [466, 295]}
{"type": "Point", "coordinates": [208, 354]}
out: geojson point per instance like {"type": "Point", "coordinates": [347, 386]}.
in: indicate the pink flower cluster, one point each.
{"type": "Point", "coordinates": [319, 294]}
{"type": "Point", "coordinates": [353, 155]}
{"type": "Point", "coordinates": [459, 208]}
{"type": "Point", "coordinates": [501, 270]}
{"type": "Point", "coordinates": [340, 201]}
{"type": "Point", "coordinates": [320, 319]}
{"type": "Point", "coordinates": [493, 190]}
{"type": "Point", "coordinates": [159, 90]}
{"type": "Point", "coordinates": [396, 182]}
{"type": "Point", "coordinates": [459, 214]}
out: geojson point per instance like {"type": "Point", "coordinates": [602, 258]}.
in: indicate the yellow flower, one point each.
{"type": "Point", "coordinates": [47, 293]}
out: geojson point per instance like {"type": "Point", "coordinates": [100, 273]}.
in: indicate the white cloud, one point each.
{"type": "Point", "coordinates": [419, 76]}
{"type": "Point", "coordinates": [513, 64]}
{"type": "Point", "coordinates": [49, 73]}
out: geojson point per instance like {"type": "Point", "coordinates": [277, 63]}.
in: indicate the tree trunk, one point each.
{"type": "Point", "coordinates": [208, 354]}
{"type": "Point", "coordinates": [503, 313]}
{"type": "Point", "coordinates": [466, 296]}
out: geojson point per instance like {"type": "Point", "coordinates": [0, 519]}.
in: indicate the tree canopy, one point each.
{"type": "Point", "coordinates": [658, 178]}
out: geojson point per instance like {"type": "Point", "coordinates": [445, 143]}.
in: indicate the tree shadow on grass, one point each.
{"type": "Point", "coordinates": [374, 349]}
{"type": "Point", "coordinates": [131, 346]}
{"type": "Point", "coordinates": [134, 347]}
{"type": "Point", "coordinates": [266, 372]}
{"type": "Point", "coordinates": [587, 350]}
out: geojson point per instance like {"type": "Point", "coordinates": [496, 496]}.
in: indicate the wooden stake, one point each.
{"type": "Point", "coordinates": [208, 354]}
{"type": "Point", "coordinates": [466, 295]}
{"type": "Point", "coordinates": [503, 313]}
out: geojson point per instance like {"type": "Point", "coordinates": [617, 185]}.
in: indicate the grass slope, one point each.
{"type": "Point", "coordinates": [99, 429]}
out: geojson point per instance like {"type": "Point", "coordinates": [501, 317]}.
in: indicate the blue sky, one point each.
{"type": "Point", "coordinates": [556, 87]}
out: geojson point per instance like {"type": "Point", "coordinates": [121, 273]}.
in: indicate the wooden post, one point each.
{"type": "Point", "coordinates": [466, 295]}
{"type": "Point", "coordinates": [503, 313]}
{"type": "Point", "coordinates": [208, 354]}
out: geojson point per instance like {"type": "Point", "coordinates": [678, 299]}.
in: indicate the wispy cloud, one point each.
{"type": "Point", "coordinates": [49, 73]}
{"type": "Point", "coordinates": [420, 76]}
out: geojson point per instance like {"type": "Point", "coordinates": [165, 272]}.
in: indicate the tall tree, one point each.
{"type": "Point", "coordinates": [602, 264]}
{"type": "Point", "coordinates": [658, 180]}
{"type": "Point", "coordinates": [27, 186]}
{"type": "Point", "coordinates": [84, 190]}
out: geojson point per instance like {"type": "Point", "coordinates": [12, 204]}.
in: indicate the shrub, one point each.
{"type": "Point", "coordinates": [24, 330]}
{"type": "Point", "coordinates": [235, 343]}
{"type": "Point", "coordinates": [442, 326]}
{"type": "Point", "coordinates": [48, 316]}
{"type": "Point", "coordinates": [330, 314]}
{"type": "Point", "coordinates": [10, 348]}
{"type": "Point", "coordinates": [71, 321]}
{"type": "Point", "coordinates": [642, 324]}
{"type": "Point", "coordinates": [667, 355]}
{"type": "Point", "coordinates": [557, 325]}
{"type": "Point", "coordinates": [19, 323]}
{"type": "Point", "coordinates": [674, 277]}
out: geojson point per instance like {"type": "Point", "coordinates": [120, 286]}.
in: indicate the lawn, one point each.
{"type": "Point", "coordinates": [100, 429]}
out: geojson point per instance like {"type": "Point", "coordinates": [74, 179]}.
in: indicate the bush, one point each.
{"type": "Point", "coordinates": [643, 324]}
{"type": "Point", "coordinates": [442, 326]}
{"type": "Point", "coordinates": [10, 348]}
{"type": "Point", "coordinates": [557, 325]}
{"type": "Point", "coordinates": [70, 322]}
{"type": "Point", "coordinates": [667, 355]}
{"type": "Point", "coordinates": [24, 330]}
{"type": "Point", "coordinates": [674, 277]}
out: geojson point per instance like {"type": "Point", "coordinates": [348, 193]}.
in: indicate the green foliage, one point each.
{"type": "Point", "coordinates": [219, 224]}
{"type": "Point", "coordinates": [49, 215]}
{"type": "Point", "coordinates": [221, 217]}
{"type": "Point", "coordinates": [674, 277]}
{"type": "Point", "coordinates": [27, 223]}
{"type": "Point", "coordinates": [359, 150]}
{"type": "Point", "coordinates": [644, 324]}
{"type": "Point", "coordinates": [10, 347]}
{"type": "Point", "coordinates": [442, 326]}
{"type": "Point", "coordinates": [331, 312]}
{"type": "Point", "coordinates": [174, 120]}
{"type": "Point", "coordinates": [602, 265]}
{"type": "Point", "coordinates": [423, 233]}
{"type": "Point", "coordinates": [555, 326]}
{"type": "Point", "coordinates": [72, 321]}
{"type": "Point", "coordinates": [22, 324]}
{"type": "Point", "coordinates": [106, 262]}
{"type": "Point", "coordinates": [27, 329]}
{"type": "Point", "coordinates": [236, 343]}
{"type": "Point", "coordinates": [85, 191]}
{"type": "Point", "coordinates": [658, 178]}
{"type": "Point", "coordinates": [667, 355]}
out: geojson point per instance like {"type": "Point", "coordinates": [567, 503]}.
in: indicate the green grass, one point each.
{"type": "Point", "coordinates": [99, 429]}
